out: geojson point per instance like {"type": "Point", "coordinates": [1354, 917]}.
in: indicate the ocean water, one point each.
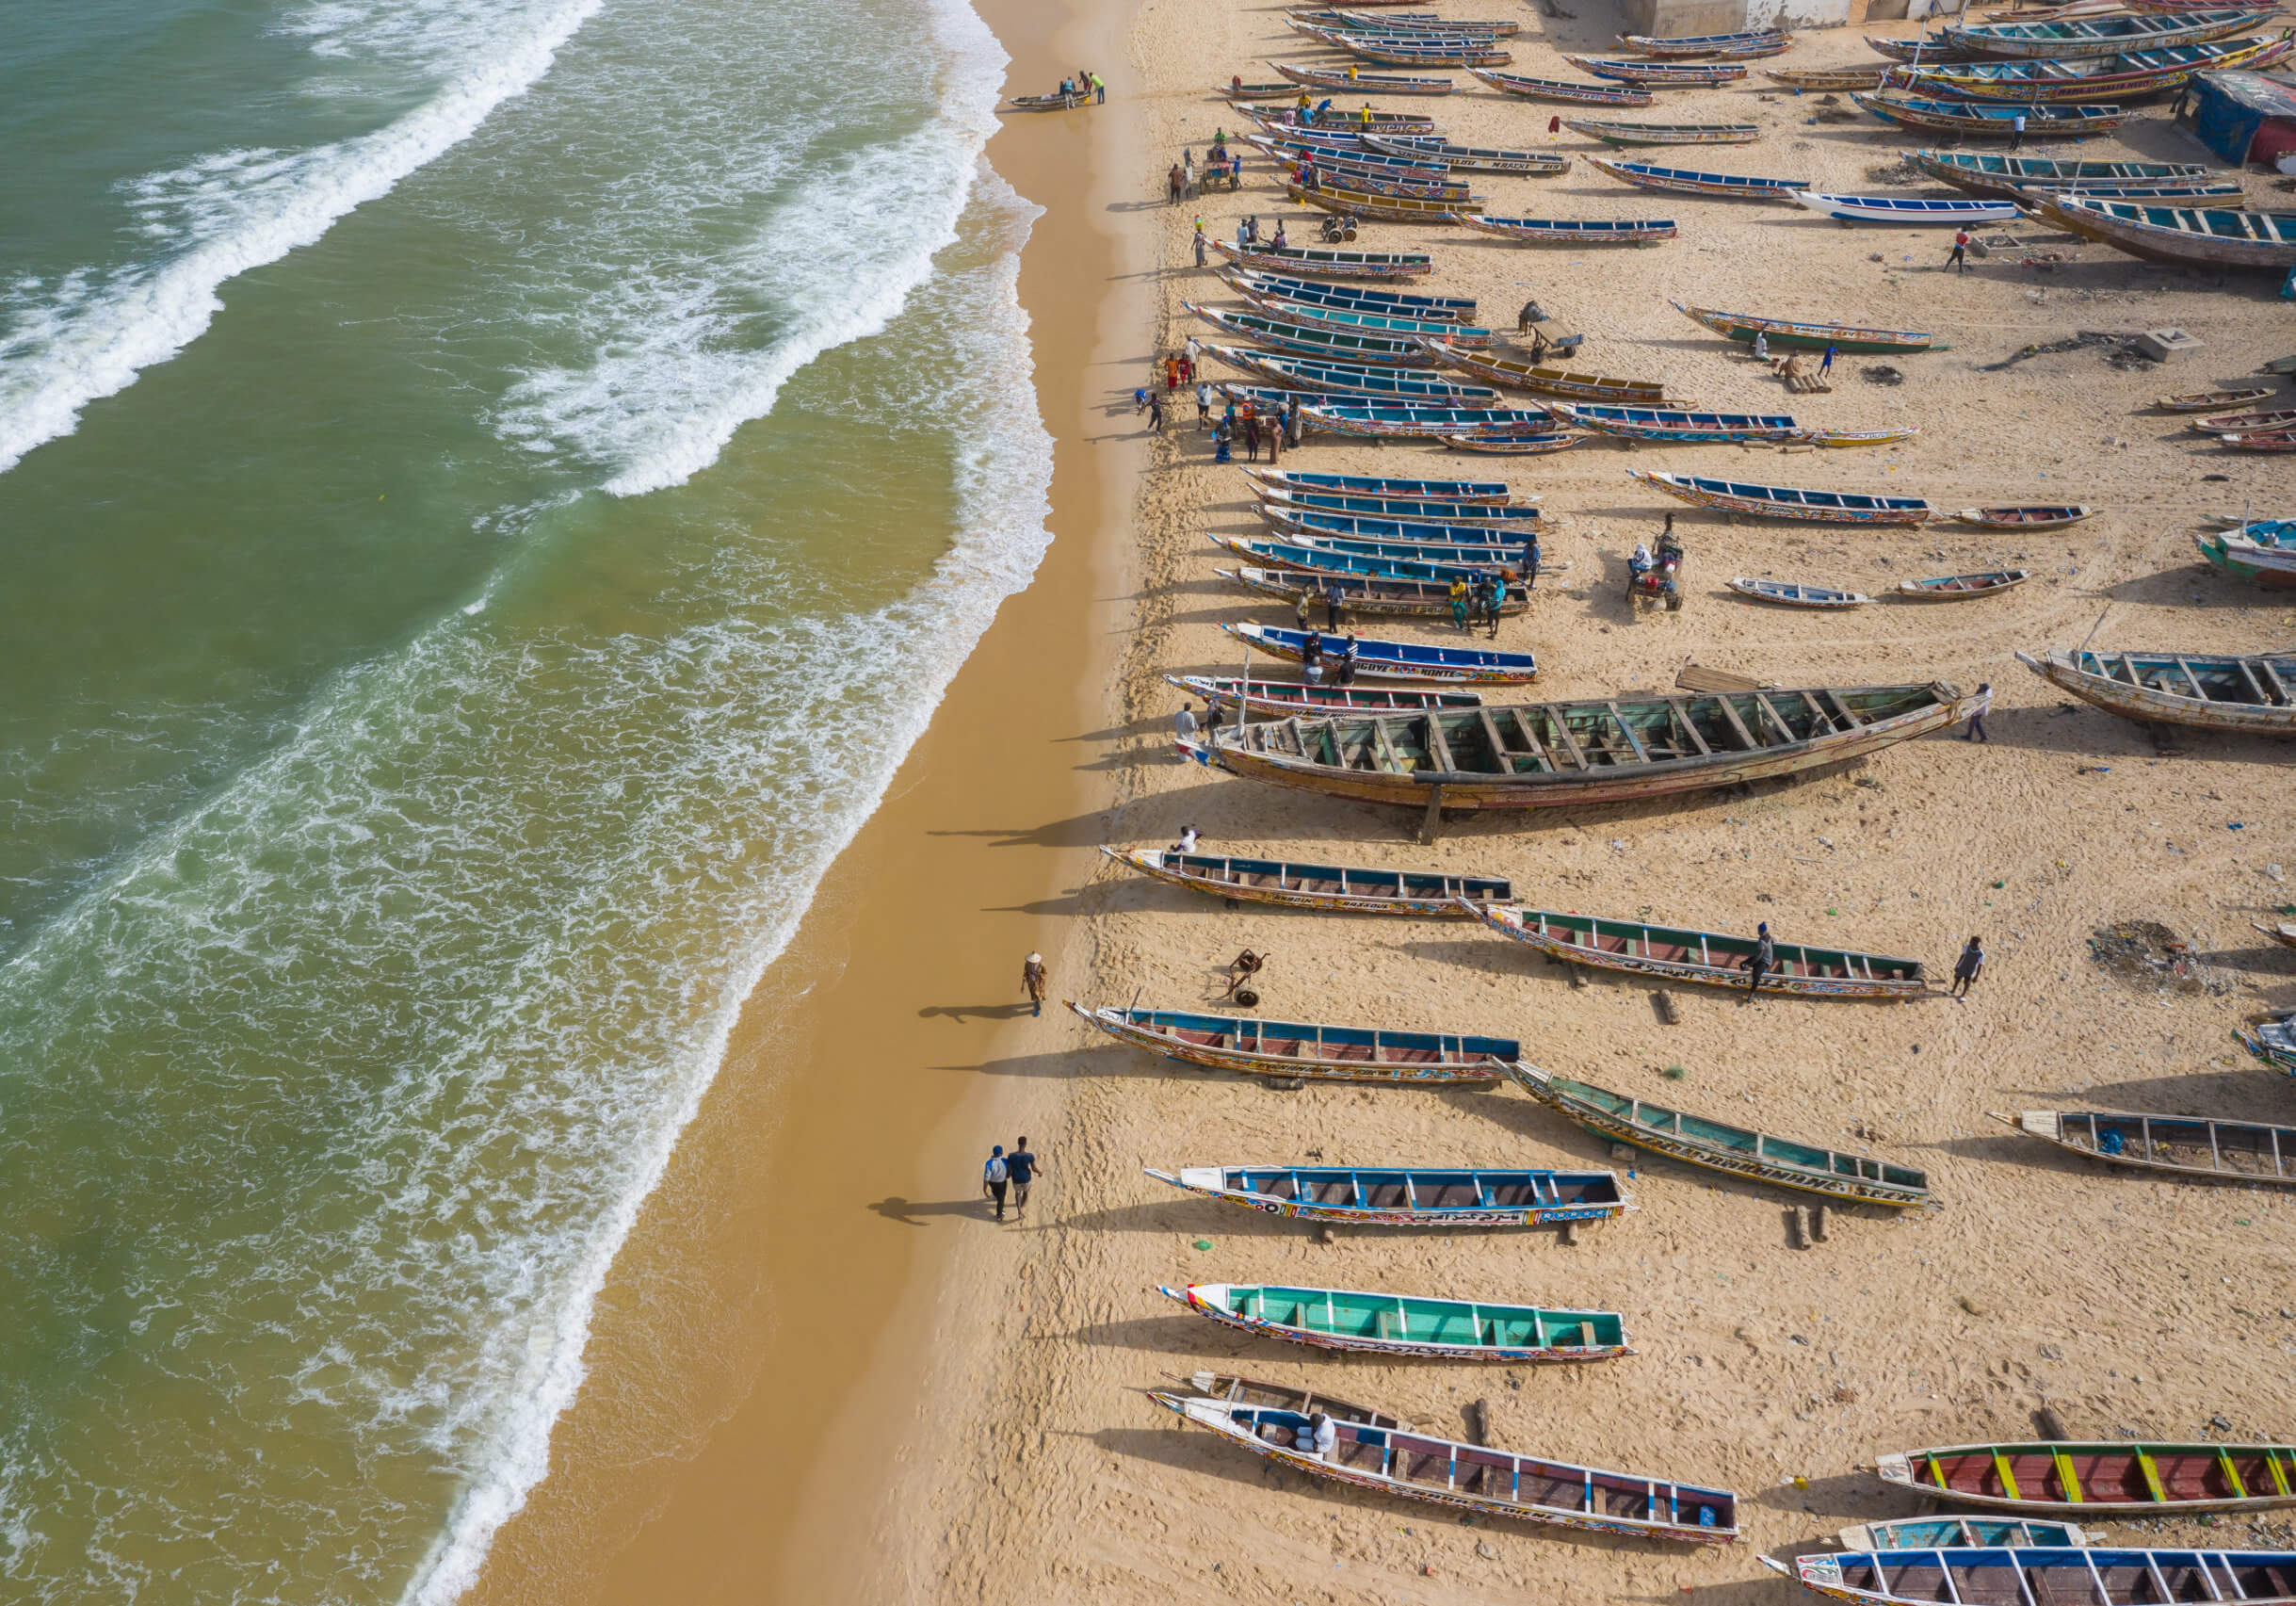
{"type": "Point", "coordinates": [493, 487]}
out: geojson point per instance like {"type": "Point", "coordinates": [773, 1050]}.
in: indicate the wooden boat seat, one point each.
{"type": "Point", "coordinates": [1618, 1501]}
{"type": "Point", "coordinates": [1452, 1196]}
{"type": "Point", "coordinates": [1570, 1494]}
{"type": "Point", "coordinates": [1385, 1196]}
{"type": "Point", "coordinates": [1413, 1056]}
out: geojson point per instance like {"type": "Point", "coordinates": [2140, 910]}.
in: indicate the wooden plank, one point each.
{"type": "Point", "coordinates": [2009, 1479]}
{"type": "Point", "coordinates": [1777, 718]}
{"type": "Point", "coordinates": [1570, 742]}
{"type": "Point", "coordinates": [1499, 748]}
{"type": "Point", "coordinates": [1388, 755]}
{"type": "Point", "coordinates": [1641, 755]}
{"type": "Point", "coordinates": [2193, 680]}
{"type": "Point", "coordinates": [1738, 726]}
{"type": "Point", "coordinates": [2279, 685]}
{"type": "Point", "coordinates": [2152, 1476]}
{"type": "Point", "coordinates": [1538, 749]}
{"type": "Point", "coordinates": [2253, 684]}
{"type": "Point", "coordinates": [1825, 721]}
{"type": "Point", "coordinates": [1698, 677]}
{"type": "Point", "coordinates": [2067, 1478]}
{"type": "Point", "coordinates": [1438, 747]}
{"type": "Point", "coordinates": [1843, 709]}
{"type": "Point", "coordinates": [1677, 715]}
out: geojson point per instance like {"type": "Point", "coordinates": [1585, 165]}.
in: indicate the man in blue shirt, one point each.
{"type": "Point", "coordinates": [1020, 1165]}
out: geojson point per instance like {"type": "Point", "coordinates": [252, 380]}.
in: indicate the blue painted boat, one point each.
{"type": "Point", "coordinates": [1355, 526]}
{"type": "Point", "coordinates": [1668, 424]}
{"type": "Point", "coordinates": [1907, 208]}
{"type": "Point", "coordinates": [1380, 485]}
{"type": "Point", "coordinates": [1280, 555]}
{"type": "Point", "coordinates": [1362, 418]}
{"type": "Point", "coordinates": [1506, 549]}
{"type": "Point", "coordinates": [1469, 158]}
{"type": "Point", "coordinates": [1316, 340]}
{"type": "Point", "coordinates": [1268, 399]}
{"type": "Point", "coordinates": [1957, 1532]}
{"type": "Point", "coordinates": [1685, 181]}
{"type": "Point", "coordinates": [2094, 1576]}
{"type": "Point", "coordinates": [1572, 230]}
{"type": "Point", "coordinates": [1305, 1048]}
{"type": "Point", "coordinates": [2178, 190]}
{"type": "Point", "coordinates": [1359, 297]}
{"type": "Point", "coordinates": [1409, 1196]}
{"type": "Point", "coordinates": [1375, 175]}
{"type": "Point", "coordinates": [1794, 594]}
{"type": "Point", "coordinates": [1787, 501]}
{"type": "Point", "coordinates": [1399, 508]}
{"type": "Point", "coordinates": [1384, 594]}
{"type": "Point", "coordinates": [1396, 660]}
{"type": "Point", "coordinates": [1992, 121]}
{"type": "Point", "coordinates": [1373, 321]}
{"type": "Point", "coordinates": [1314, 374]}
{"type": "Point", "coordinates": [2011, 178]}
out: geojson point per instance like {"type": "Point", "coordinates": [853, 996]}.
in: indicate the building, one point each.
{"type": "Point", "coordinates": [2242, 117]}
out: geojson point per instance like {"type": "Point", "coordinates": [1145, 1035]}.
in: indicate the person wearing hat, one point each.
{"type": "Point", "coordinates": [1759, 962]}
{"type": "Point", "coordinates": [1032, 978]}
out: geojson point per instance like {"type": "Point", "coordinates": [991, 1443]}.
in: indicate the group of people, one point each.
{"type": "Point", "coordinates": [1220, 166]}
{"type": "Point", "coordinates": [1084, 86]}
{"type": "Point", "coordinates": [1479, 601]}
{"type": "Point", "coordinates": [1323, 666]}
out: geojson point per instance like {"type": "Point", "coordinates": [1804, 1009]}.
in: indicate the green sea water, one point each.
{"type": "Point", "coordinates": [493, 487]}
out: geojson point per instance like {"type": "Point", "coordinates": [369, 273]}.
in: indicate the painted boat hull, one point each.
{"type": "Point", "coordinates": [2146, 704]}
{"type": "Point", "coordinates": [2062, 41]}
{"type": "Point", "coordinates": [1960, 1533]}
{"type": "Point", "coordinates": [1943, 590]}
{"type": "Point", "coordinates": [1547, 381]}
{"type": "Point", "coordinates": [2270, 568]}
{"type": "Point", "coordinates": [2157, 244]}
{"type": "Point", "coordinates": [1939, 116]}
{"type": "Point", "coordinates": [1676, 182]}
{"type": "Point", "coordinates": [1820, 598]}
{"type": "Point", "coordinates": [1374, 597]}
{"type": "Point", "coordinates": [1509, 672]}
{"type": "Point", "coordinates": [1684, 489]}
{"type": "Point", "coordinates": [2273, 1148]}
{"type": "Point", "coordinates": [1495, 491]}
{"type": "Point", "coordinates": [1510, 445]}
{"type": "Point", "coordinates": [1863, 1180]}
{"type": "Point", "coordinates": [1664, 133]}
{"type": "Point", "coordinates": [1434, 903]}
{"type": "Point", "coordinates": [1847, 338]}
{"type": "Point", "coordinates": [1363, 1215]}
{"type": "Point", "coordinates": [1574, 232]}
{"type": "Point", "coordinates": [1284, 698]}
{"type": "Point", "coordinates": [1117, 1024]}
{"type": "Point", "coordinates": [2040, 1574]}
{"type": "Point", "coordinates": [1561, 90]}
{"type": "Point", "coordinates": [1899, 1471]}
{"type": "Point", "coordinates": [1259, 1326]}
{"type": "Point", "coordinates": [2023, 518]}
{"type": "Point", "coordinates": [1556, 945]}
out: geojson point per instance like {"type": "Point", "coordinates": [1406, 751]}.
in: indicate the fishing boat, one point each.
{"type": "Point", "coordinates": [1378, 485]}
{"type": "Point", "coordinates": [1790, 593]}
{"type": "Point", "coordinates": [1562, 90]}
{"type": "Point", "coordinates": [1285, 1396]}
{"type": "Point", "coordinates": [1599, 751]}
{"type": "Point", "coordinates": [1342, 82]}
{"type": "Point", "coordinates": [2213, 400]}
{"type": "Point", "coordinates": [1659, 75]}
{"type": "Point", "coordinates": [2015, 178]}
{"type": "Point", "coordinates": [1957, 588]}
{"type": "Point", "coordinates": [1395, 549]}
{"type": "Point", "coordinates": [2244, 423]}
{"type": "Point", "coordinates": [2244, 696]}
{"type": "Point", "coordinates": [1299, 697]}
{"type": "Point", "coordinates": [1427, 423]}
{"type": "Point", "coordinates": [1844, 337]}
{"type": "Point", "coordinates": [1382, 208]}
{"type": "Point", "coordinates": [1314, 375]}
{"type": "Point", "coordinates": [1683, 181]}
{"type": "Point", "coordinates": [1510, 445]}
{"type": "Point", "coordinates": [1992, 122]}
{"type": "Point", "coordinates": [1664, 133]}
{"type": "Point", "coordinates": [1840, 438]}
{"type": "Point", "coordinates": [1268, 400]}
{"type": "Point", "coordinates": [1394, 323]}
{"type": "Point", "coordinates": [1709, 958]}
{"type": "Point", "coordinates": [1396, 660]}
{"type": "Point", "coordinates": [1376, 592]}
{"type": "Point", "coordinates": [1787, 501]}
{"type": "Point", "coordinates": [1409, 1326]}
{"type": "Point", "coordinates": [1434, 53]}
{"type": "Point", "coordinates": [1717, 1145]}
{"type": "Point", "coordinates": [1961, 1533]}
{"type": "Point", "coordinates": [2182, 1145]}
{"type": "Point", "coordinates": [1050, 102]}
{"type": "Point", "coordinates": [1331, 529]}
{"type": "Point", "coordinates": [1331, 889]}
{"type": "Point", "coordinates": [1278, 91]}
{"type": "Point", "coordinates": [1316, 1052]}
{"type": "Point", "coordinates": [1830, 80]}
{"type": "Point", "coordinates": [1453, 311]}
{"type": "Point", "coordinates": [2263, 552]}
{"type": "Point", "coordinates": [1395, 182]}
{"type": "Point", "coordinates": [1469, 159]}
{"type": "Point", "coordinates": [1318, 561]}
{"type": "Point", "coordinates": [1743, 45]}
{"type": "Point", "coordinates": [2182, 194]}
{"type": "Point", "coordinates": [2262, 440]}
{"type": "Point", "coordinates": [1515, 517]}
{"type": "Point", "coordinates": [1661, 424]}
{"type": "Point", "coordinates": [1327, 263]}
{"type": "Point", "coordinates": [1925, 47]}
{"type": "Point", "coordinates": [2037, 85]}
{"type": "Point", "coordinates": [2103, 36]}
{"type": "Point", "coordinates": [1470, 1478]}
{"type": "Point", "coordinates": [1906, 209]}
{"type": "Point", "coordinates": [1574, 230]}
{"type": "Point", "coordinates": [2046, 517]}
{"type": "Point", "coordinates": [1543, 377]}
{"type": "Point", "coordinates": [1314, 339]}
{"type": "Point", "coordinates": [2272, 1042]}
{"type": "Point", "coordinates": [2115, 1479]}
{"type": "Point", "coordinates": [1289, 119]}
{"type": "Point", "coordinates": [1427, 1196]}
{"type": "Point", "coordinates": [2100, 1576]}
{"type": "Point", "coordinates": [1500, 28]}
{"type": "Point", "coordinates": [1313, 565]}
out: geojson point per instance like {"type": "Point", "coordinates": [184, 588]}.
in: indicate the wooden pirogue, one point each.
{"type": "Point", "coordinates": [1340, 889]}
{"type": "Point", "coordinates": [1740, 46]}
{"type": "Point", "coordinates": [1469, 159]}
{"type": "Point", "coordinates": [1305, 1048]}
{"type": "Point", "coordinates": [1830, 78]}
{"type": "Point", "coordinates": [1411, 1195]}
{"type": "Point", "coordinates": [1991, 119]}
{"type": "Point", "coordinates": [1684, 180]}
{"type": "Point", "coordinates": [1545, 379]}
{"type": "Point", "coordinates": [2218, 238]}
{"type": "Point", "coordinates": [2248, 696]}
{"type": "Point", "coordinates": [2184, 1146]}
{"type": "Point", "coordinates": [1395, 661]}
{"type": "Point", "coordinates": [2263, 553]}
{"type": "Point", "coordinates": [1960, 1533]}
{"type": "Point", "coordinates": [1785, 501]}
{"type": "Point", "coordinates": [2055, 516]}
{"type": "Point", "coordinates": [1381, 485]}
{"type": "Point", "coordinates": [2037, 86]}
{"type": "Point", "coordinates": [1328, 264]}
{"type": "Point", "coordinates": [1744, 327]}
{"type": "Point", "coordinates": [2102, 36]}
{"type": "Point", "coordinates": [1717, 1145]}
{"type": "Point", "coordinates": [2120, 1479]}
{"type": "Point", "coordinates": [2013, 178]}
{"type": "Point", "coordinates": [1572, 230]}
{"type": "Point", "coordinates": [1711, 958]}
{"type": "Point", "coordinates": [1406, 1324]}
{"type": "Point", "coordinates": [1659, 75]}
{"type": "Point", "coordinates": [1793, 593]}
{"type": "Point", "coordinates": [1608, 750]}
{"type": "Point", "coordinates": [1562, 90]}
{"type": "Point", "coordinates": [1383, 208]}
{"type": "Point", "coordinates": [1959, 588]}
{"type": "Point", "coordinates": [1457, 311]}
{"type": "Point", "coordinates": [1471, 1478]}
{"type": "Point", "coordinates": [1377, 591]}
{"type": "Point", "coordinates": [2272, 1042]}
{"type": "Point", "coordinates": [1612, 133]}
{"type": "Point", "coordinates": [1362, 83]}
{"type": "Point", "coordinates": [1298, 697]}
{"type": "Point", "coordinates": [2008, 1576]}
{"type": "Point", "coordinates": [1287, 1397]}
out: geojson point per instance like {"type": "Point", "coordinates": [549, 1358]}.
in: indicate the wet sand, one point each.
{"type": "Point", "coordinates": [819, 1272]}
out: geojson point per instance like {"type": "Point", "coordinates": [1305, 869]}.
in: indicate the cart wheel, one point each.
{"type": "Point", "coordinates": [1674, 603]}
{"type": "Point", "coordinates": [1247, 998]}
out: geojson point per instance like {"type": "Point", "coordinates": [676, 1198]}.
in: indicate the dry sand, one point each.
{"type": "Point", "coordinates": [800, 1389]}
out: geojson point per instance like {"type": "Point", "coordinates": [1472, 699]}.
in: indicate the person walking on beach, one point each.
{"type": "Point", "coordinates": [1155, 414]}
{"type": "Point", "coordinates": [1184, 723]}
{"type": "Point", "coordinates": [1967, 968]}
{"type": "Point", "coordinates": [1976, 720]}
{"type": "Point", "coordinates": [1203, 403]}
{"type": "Point", "coordinates": [1960, 257]}
{"type": "Point", "coordinates": [1172, 185]}
{"type": "Point", "coordinates": [1498, 600]}
{"type": "Point", "coordinates": [1530, 563]}
{"type": "Point", "coordinates": [1826, 367]}
{"type": "Point", "coordinates": [994, 1178]}
{"type": "Point", "coordinates": [1195, 355]}
{"type": "Point", "coordinates": [1758, 963]}
{"type": "Point", "coordinates": [1251, 440]}
{"type": "Point", "coordinates": [1020, 1165]}
{"type": "Point", "coordinates": [1459, 604]}
{"type": "Point", "coordinates": [1299, 609]}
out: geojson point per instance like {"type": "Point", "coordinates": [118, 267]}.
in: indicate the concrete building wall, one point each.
{"type": "Point", "coordinates": [1674, 19]}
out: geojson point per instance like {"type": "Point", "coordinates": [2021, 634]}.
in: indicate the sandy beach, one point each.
{"type": "Point", "coordinates": [954, 1411]}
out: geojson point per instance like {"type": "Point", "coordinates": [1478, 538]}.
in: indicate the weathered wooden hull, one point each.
{"type": "Point", "coordinates": [1562, 90]}
{"type": "Point", "coordinates": [2238, 1151]}
{"type": "Point", "coordinates": [1151, 862]}
{"type": "Point", "coordinates": [1858, 1178]}
{"type": "Point", "coordinates": [1331, 263]}
{"type": "Point", "coordinates": [2071, 42]}
{"type": "Point", "coordinates": [1383, 209]}
{"type": "Point", "coordinates": [1676, 182]}
{"type": "Point", "coordinates": [1830, 78]}
{"type": "Point", "coordinates": [1919, 1470]}
{"type": "Point", "coordinates": [1820, 598]}
{"type": "Point", "coordinates": [1659, 75]}
{"type": "Point", "coordinates": [1439, 789]}
{"type": "Point", "coordinates": [1428, 1073]}
{"type": "Point", "coordinates": [2050, 1576]}
{"type": "Point", "coordinates": [2145, 704]}
{"type": "Point", "coordinates": [1683, 489]}
{"type": "Point", "coordinates": [1950, 589]}
{"type": "Point", "coordinates": [1937, 117]}
{"type": "Point", "coordinates": [1376, 596]}
{"type": "Point", "coordinates": [1281, 481]}
{"type": "Point", "coordinates": [1664, 133]}
{"type": "Point", "coordinates": [1738, 46]}
{"type": "Point", "coordinates": [1545, 381]}
{"type": "Point", "coordinates": [1510, 445]}
{"type": "Point", "coordinates": [1454, 1499]}
{"type": "Point", "coordinates": [1364, 84]}
{"type": "Point", "coordinates": [1259, 1326]}
{"type": "Point", "coordinates": [1572, 230]}
{"type": "Point", "coordinates": [2274, 571]}
{"type": "Point", "coordinates": [1287, 697]}
{"type": "Point", "coordinates": [1847, 338]}
{"type": "Point", "coordinates": [2159, 244]}
{"type": "Point", "coordinates": [2023, 518]}
{"type": "Point", "coordinates": [1556, 945]}
{"type": "Point", "coordinates": [1313, 1210]}
{"type": "Point", "coordinates": [2020, 178]}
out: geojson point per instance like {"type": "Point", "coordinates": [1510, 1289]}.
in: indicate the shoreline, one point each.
{"type": "Point", "coordinates": [728, 1428]}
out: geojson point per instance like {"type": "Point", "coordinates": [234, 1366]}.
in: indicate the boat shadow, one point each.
{"type": "Point", "coordinates": [909, 1211]}
{"type": "Point", "coordinates": [2090, 733]}
{"type": "Point", "coordinates": [1856, 1495]}
{"type": "Point", "coordinates": [1112, 1062]}
{"type": "Point", "coordinates": [2255, 1091]}
{"type": "Point", "coordinates": [2193, 586]}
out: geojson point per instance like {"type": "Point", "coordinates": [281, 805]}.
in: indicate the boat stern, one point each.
{"type": "Point", "coordinates": [1893, 1468]}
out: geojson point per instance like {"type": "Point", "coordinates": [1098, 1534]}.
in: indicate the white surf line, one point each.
{"type": "Point", "coordinates": [144, 318]}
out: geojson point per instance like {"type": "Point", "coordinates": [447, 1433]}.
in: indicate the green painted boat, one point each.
{"type": "Point", "coordinates": [1812, 336]}
{"type": "Point", "coordinates": [1402, 1324]}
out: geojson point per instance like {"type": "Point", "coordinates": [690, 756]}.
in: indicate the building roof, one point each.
{"type": "Point", "coordinates": [2270, 93]}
